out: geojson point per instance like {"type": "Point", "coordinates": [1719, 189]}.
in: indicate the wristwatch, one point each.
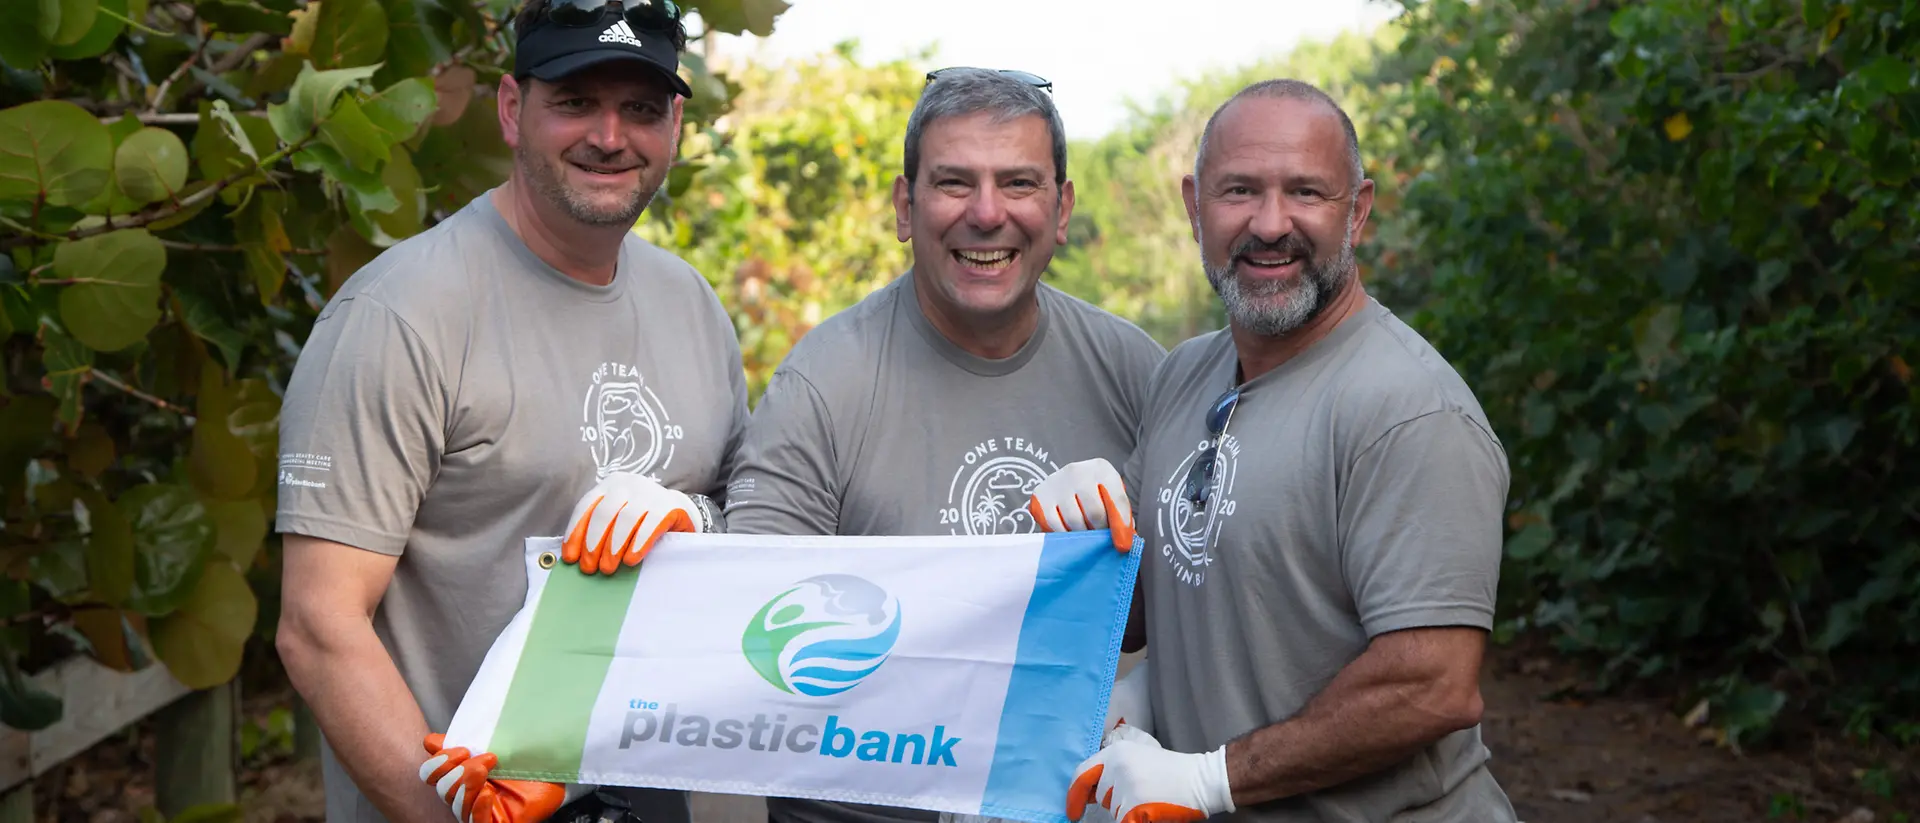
{"type": "Point", "coordinates": [708, 516]}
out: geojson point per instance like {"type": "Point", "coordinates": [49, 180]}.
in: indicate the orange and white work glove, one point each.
{"type": "Point", "coordinates": [460, 778]}
{"type": "Point", "coordinates": [1129, 703]}
{"type": "Point", "coordinates": [1084, 496]}
{"type": "Point", "coordinates": [617, 522]}
{"type": "Point", "coordinates": [1140, 782]}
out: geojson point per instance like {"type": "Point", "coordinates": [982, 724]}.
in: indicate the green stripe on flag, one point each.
{"type": "Point", "coordinates": [542, 729]}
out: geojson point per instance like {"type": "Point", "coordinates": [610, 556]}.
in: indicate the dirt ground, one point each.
{"type": "Point", "coordinates": [1562, 760]}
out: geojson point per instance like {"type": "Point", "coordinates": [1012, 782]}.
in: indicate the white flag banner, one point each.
{"type": "Point", "coordinates": [958, 674]}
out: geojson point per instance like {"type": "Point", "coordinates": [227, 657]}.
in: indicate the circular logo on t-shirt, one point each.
{"type": "Point", "coordinates": [990, 489]}
{"type": "Point", "coordinates": [625, 425]}
{"type": "Point", "coordinates": [1188, 529]}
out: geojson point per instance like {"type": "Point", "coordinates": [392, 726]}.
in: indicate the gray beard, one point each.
{"type": "Point", "coordinates": [546, 179]}
{"type": "Point", "coordinates": [1271, 309]}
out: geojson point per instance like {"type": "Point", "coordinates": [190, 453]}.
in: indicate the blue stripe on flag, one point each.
{"type": "Point", "coordinates": [1081, 582]}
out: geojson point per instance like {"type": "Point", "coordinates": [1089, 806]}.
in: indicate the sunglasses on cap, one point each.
{"type": "Point", "coordinates": [576, 14]}
{"type": "Point", "coordinates": [1199, 486]}
{"type": "Point", "coordinates": [1028, 78]}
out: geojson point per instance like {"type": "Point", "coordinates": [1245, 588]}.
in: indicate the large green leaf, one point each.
{"type": "Point", "coordinates": [349, 33]}
{"type": "Point", "coordinates": [150, 165]}
{"type": "Point", "coordinates": [404, 181]}
{"type": "Point", "coordinates": [311, 99]}
{"type": "Point", "coordinates": [61, 570]}
{"type": "Point", "coordinates": [219, 152]}
{"type": "Point", "coordinates": [423, 34]}
{"type": "Point", "coordinates": [254, 416]}
{"type": "Point", "coordinates": [239, 528]}
{"type": "Point", "coordinates": [398, 110]}
{"type": "Point", "coordinates": [111, 200]}
{"type": "Point", "coordinates": [118, 637]}
{"type": "Point", "coordinates": [1530, 542]}
{"type": "Point", "coordinates": [351, 134]}
{"type": "Point", "coordinates": [220, 464]}
{"type": "Point", "coordinates": [25, 37]}
{"type": "Point", "coordinates": [172, 538]}
{"type": "Point", "coordinates": [76, 19]}
{"type": "Point", "coordinates": [365, 190]}
{"type": "Point", "coordinates": [238, 17]}
{"type": "Point", "coordinates": [52, 149]}
{"type": "Point", "coordinates": [116, 301]}
{"type": "Point", "coordinates": [201, 643]}
{"type": "Point", "coordinates": [264, 238]}
{"type": "Point", "coordinates": [99, 37]}
{"type": "Point", "coordinates": [738, 16]}
{"type": "Point", "coordinates": [201, 318]}
{"type": "Point", "coordinates": [68, 363]}
{"type": "Point", "coordinates": [109, 550]}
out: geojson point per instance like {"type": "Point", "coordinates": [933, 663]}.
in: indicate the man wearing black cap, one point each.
{"type": "Point", "coordinates": [460, 393]}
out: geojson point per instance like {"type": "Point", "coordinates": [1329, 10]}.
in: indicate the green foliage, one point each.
{"type": "Point", "coordinates": [792, 219]}
{"type": "Point", "coordinates": [1672, 247]}
{"type": "Point", "coordinates": [179, 197]}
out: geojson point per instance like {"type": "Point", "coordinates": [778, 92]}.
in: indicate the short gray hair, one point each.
{"type": "Point", "coordinates": [1284, 89]}
{"type": "Point", "coordinates": [961, 92]}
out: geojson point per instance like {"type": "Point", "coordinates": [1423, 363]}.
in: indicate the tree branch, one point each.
{"type": "Point", "coordinates": [185, 118]}
{"type": "Point", "coordinates": [160, 94]}
{"type": "Point", "coordinates": [1735, 77]}
{"type": "Point", "coordinates": [240, 54]}
{"type": "Point", "coordinates": [56, 611]}
{"type": "Point", "coordinates": [116, 383]}
{"type": "Point", "coordinates": [176, 244]}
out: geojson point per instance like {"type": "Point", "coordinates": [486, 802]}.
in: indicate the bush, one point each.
{"type": "Point", "coordinates": [182, 185]}
{"type": "Point", "coordinates": [1672, 246]}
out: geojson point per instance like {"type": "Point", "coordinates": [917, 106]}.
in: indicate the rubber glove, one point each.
{"type": "Point", "coordinates": [618, 521]}
{"type": "Point", "coordinates": [1140, 782]}
{"type": "Point", "coordinates": [1065, 501]}
{"type": "Point", "coordinates": [460, 778]}
{"type": "Point", "coordinates": [1129, 703]}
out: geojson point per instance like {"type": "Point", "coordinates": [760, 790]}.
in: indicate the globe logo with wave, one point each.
{"type": "Point", "coordinates": [823, 635]}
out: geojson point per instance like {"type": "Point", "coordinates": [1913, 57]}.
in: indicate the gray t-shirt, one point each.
{"type": "Point", "coordinates": [1358, 490]}
{"type": "Point", "coordinates": [459, 395]}
{"type": "Point", "coordinates": [876, 424]}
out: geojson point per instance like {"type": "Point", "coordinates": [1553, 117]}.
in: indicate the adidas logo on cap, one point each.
{"type": "Point", "coordinates": [620, 32]}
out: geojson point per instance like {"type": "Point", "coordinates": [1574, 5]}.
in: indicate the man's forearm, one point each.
{"type": "Point", "coordinates": [367, 713]}
{"type": "Point", "coordinates": [1376, 712]}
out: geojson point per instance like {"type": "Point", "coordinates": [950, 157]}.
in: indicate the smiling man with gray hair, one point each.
{"type": "Point", "coordinates": [936, 405]}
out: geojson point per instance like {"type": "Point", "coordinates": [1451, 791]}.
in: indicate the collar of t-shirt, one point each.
{"type": "Point", "coordinates": [908, 304]}
{"type": "Point", "coordinates": [1349, 329]}
{"type": "Point", "coordinates": [510, 239]}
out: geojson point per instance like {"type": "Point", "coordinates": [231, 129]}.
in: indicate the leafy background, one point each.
{"type": "Point", "coordinates": [1670, 243]}
{"type": "Point", "coordinates": [182, 186]}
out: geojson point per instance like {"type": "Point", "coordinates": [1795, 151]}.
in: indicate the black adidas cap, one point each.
{"type": "Point", "coordinates": [550, 51]}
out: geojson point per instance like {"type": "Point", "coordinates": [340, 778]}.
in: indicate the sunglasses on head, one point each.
{"type": "Point", "coordinates": [1199, 486]}
{"type": "Point", "coordinates": [1028, 78]}
{"type": "Point", "coordinates": [586, 13]}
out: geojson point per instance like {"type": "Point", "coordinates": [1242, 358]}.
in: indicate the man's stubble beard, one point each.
{"type": "Point", "coordinates": [548, 180]}
{"type": "Point", "coordinates": [1256, 311]}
